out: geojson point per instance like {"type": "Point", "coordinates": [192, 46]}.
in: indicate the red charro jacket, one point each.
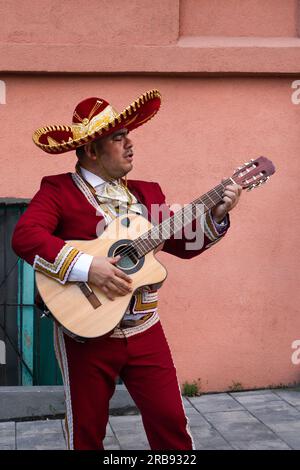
{"type": "Point", "coordinates": [60, 211]}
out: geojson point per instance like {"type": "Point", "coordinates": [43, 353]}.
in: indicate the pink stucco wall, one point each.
{"type": "Point", "coordinates": [265, 18]}
{"type": "Point", "coordinates": [231, 315]}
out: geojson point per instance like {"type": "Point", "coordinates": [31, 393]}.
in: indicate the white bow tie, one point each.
{"type": "Point", "coordinates": [113, 193]}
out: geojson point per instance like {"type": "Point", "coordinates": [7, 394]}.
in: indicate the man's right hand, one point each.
{"type": "Point", "coordinates": [110, 279]}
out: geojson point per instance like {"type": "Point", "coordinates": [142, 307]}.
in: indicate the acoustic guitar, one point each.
{"type": "Point", "coordinates": [82, 308]}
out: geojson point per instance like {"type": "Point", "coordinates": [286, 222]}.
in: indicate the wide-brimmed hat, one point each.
{"type": "Point", "coordinates": [94, 118]}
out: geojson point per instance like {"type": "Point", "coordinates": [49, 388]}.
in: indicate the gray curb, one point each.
{"type": "Point", "coordinates": [17, 403]}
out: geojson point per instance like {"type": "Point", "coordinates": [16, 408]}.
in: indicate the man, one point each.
{"type": "Point", "coordinates": [70, 206]}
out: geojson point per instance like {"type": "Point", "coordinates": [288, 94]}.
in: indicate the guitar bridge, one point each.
{"type": "Point", "coordinates": [89, 294]}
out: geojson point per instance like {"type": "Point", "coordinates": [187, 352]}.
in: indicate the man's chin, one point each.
{"type": "Point", "coordinates": [126, 170]}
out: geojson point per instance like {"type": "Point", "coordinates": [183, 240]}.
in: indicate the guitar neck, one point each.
{"type": "Point", "coordinates": [182, 218]}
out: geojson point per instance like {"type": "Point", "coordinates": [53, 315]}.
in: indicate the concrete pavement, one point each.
{"type": "Point", "coordinates": [260, 419]}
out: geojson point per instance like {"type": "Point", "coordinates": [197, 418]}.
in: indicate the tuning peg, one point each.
{"type": "Point", "coordinates": [254, 185]}
{"type": "Point", "coordinates": [265, 180]}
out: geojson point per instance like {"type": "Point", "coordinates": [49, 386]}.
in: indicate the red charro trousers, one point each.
{"type": "Point", "coordinates": [144, 363]}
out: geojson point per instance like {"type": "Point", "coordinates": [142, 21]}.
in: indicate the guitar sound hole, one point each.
{"type": "Point", "coordinates": [129, 262]}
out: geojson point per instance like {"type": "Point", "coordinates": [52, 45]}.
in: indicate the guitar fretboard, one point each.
{"type": "Point", "coordinates": [180, 219]}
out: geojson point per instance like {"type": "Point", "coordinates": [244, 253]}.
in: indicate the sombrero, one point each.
{"type": "Point", "coordinates": [94, 118]}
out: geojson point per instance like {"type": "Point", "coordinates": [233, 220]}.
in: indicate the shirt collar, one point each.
{"type": "Point", "coordinates": [96, 181]}
{"type": "Point", "coordinates": [91, 178]}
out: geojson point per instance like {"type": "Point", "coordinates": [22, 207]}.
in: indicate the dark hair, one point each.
{"type": "Point", "coordinates": [80, 152]}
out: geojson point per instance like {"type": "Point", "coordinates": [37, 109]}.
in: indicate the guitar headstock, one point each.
{"type": "Point", "coordinates": [254, 173]}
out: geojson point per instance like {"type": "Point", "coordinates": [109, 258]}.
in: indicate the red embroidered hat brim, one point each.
{"type": "Point", "coordinates": [57, 139]}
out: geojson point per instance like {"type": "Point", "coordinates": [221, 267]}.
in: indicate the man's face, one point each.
{"type": "Point", "coordinates": [114, 154]}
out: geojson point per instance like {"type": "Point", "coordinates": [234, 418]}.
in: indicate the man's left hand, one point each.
{"type": "Point", "coordinates": [231, 197]}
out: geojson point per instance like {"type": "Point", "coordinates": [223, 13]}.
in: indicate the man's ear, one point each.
{"type": "Point", "coordinates": [90, 151]}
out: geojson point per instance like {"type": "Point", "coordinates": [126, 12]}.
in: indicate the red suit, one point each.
{"type": "Point", "coordinates": [60, 211]}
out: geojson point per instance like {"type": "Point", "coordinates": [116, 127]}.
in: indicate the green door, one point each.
{"type": "Point", "coordinates": [28, 338]}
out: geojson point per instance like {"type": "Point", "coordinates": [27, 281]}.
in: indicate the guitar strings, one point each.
{"type": "Point", "coordinates": [139, 242]}
{"type": "Point", "coordinates": [132, 248]}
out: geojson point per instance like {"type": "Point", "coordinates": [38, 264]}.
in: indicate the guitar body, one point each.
{"type": "Point", "coordinates": [68, 304]}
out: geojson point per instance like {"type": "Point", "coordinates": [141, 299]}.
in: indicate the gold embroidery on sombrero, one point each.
{"type": "Point", "coordinates": [94, 108]}
{"type": "Point", "coordinates": [62, 265]}
{"type": "Point", "coordinates": [147, 118]}
{"type": "Point", "coordinates": [86, 131]}
{"type": "Point", "coordinates": [76, 115]}
{"type": "Point", "coordinates": [52, 142]}
{"type": "Point", "coordinates": [95, 124]}
{"type": "Point", "coordinates": [131, 120]}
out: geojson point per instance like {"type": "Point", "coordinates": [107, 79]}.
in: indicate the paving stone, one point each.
{"type": "Point", "coordinates": [217, 421]}
{"type": "Point", "coordinates": [128, 442]}
{"type": "Point", "coordinates": [132, 440]}
{"type": "Point", "coordinates": [28, 428]}
{"type": "Point", "coordinates": [129, 432]}
{"type": "Point", "coordinates": [263, 444]}
{"type": "Point", "coordinates": [132, 422]}
{"type": "Point", "coordinates": [251, 392]}
{"type": "Point", "coordinates": [50, 441]}
{"type": "Point", "coordinates": [291, 396]}
{"type": "Point", "coordinates": [196, 419]}
{"type": "Point", "coordinates": [291, 426]}
{"type": "Point", "coordinates": [186, 402]}
{"type": "Point", "coordinates": [109, 431]}
{"type": "Point", "coordinates": [204, 435]}
{"type": "Point", "coordinates": [215, 402]}
{"type": "Point", "coordinates": [251, 407]}
{"type": "Point", "coordinates": [112, 447]}
{"type": "Point", "coordinates": [244, 431]}
{"type": "Point", "coordinates": [7, 447]}
{"type": "Point", "coordinates": [40, 435]}
{"type": "Point", "coordinates": [278, 416]}
{"type": "Point", "coordinates": [208, 438]}
{"type": "Point", "coordinates": [252, 399]}
{"type": "Point", "coordinates": [7, 434]}
{"type": "Point", "coordinates": [111, 443]}
{"type": "Point", "coordinates": [292, 438]}
{"type": "Point", "coordinates": [230, 418]}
